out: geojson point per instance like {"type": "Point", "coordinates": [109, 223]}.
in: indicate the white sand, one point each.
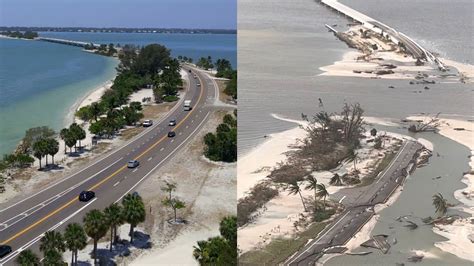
{"type": "Point", "coordinates": [406, 68]}
{"type": "Point", "coordinates": [458, 232]}
{"type": "Point", "coordinates": [467, 70]}
{"type": "Point", "coordinates": [278, 216]}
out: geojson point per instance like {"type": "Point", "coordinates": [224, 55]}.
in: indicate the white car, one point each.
{"type": "Point", "coordinates": [147, 123]}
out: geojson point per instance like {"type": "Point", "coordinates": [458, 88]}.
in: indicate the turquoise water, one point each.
{"type": "Point", "coordinates": [40, 82]}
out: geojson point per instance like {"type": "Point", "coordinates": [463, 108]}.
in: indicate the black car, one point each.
{"type": "Point", "coordinates": [5, 250]}
{"type": "Point", "coordinates": [86, 195]}
{"type": "Point", "coordinates": [171, 134]}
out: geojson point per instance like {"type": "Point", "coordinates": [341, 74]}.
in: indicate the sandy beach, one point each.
{"type": "Point", "coordinates": [279, 214]}
{"type": "Point", "coordinates": [460, 234]}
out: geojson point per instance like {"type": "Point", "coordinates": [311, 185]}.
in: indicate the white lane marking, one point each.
{"type": "Point", "coordinates": [162, 149]}
{"type": "Point", "coordinates": [393, 161]}
{"type": "Point", "coordinates": [52, 199]}
{"type": "Point", "coordinates": [116, 183]}
{"type": "Point", "coordinates": [192, 121]}
{"type": "Point", "coordinates": [342, 199]}
{"type": "Point", "coordinates": [126, 145]}
{"type": "Point", "coordinates": [180, 133]}
{"type": "Point", "coordinates": [170, 154]}
{"type": "Point", "coordinates": [187, 126]}
{"type": "Point", "coordinates": [319, 237]}
{"type": "Point", "coordinates": [36, 239]}
{"type": "Point", "coordinates": [149, 159]}
{"type": "Point", "coordinates": [134, 170]}
{"type": "Point", "coordinates": [172, 140]}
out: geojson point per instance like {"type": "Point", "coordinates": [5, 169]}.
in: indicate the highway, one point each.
{"type": "Point", "coordinates": [359, 208]}
{"type": "Point", "coordinates": [23, 222]}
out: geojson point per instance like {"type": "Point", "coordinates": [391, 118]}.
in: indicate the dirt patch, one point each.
{"type": "Point", "coordinates": [200, 184]}
{"type": "Point", "coordinates": [223, 97]}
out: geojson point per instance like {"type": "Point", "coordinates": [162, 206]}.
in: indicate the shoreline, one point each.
{"type": "Point", "coordinates": [460, 234]}
{"type": "Point", "coordinates": [279, 213]}
{"type": "Point", "coordinates": [388, 61]}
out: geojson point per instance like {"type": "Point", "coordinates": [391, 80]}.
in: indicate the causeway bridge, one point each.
{"type": "Point", "coordinates": [412, 47]}
{"type": "Point", "coordinates": [68, 42]}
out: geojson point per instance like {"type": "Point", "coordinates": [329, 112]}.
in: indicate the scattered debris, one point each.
{"type": "Point", "coordinates": [359, 253]}
{"type": "Point", "coordinates": [416, 257]}
{"type": "Point", "coordinates": [378, 242]}
{"type": "Point", "coordinates": [411, 225]}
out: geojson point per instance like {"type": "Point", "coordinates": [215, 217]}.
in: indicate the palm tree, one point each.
{"type": "Point", "coordinates": [53, 148]}
{"type": "Point", "coordinates": [228, 229]}
{"type": "Point", "coordinates": [200, 252]}
{"type": "Point", "coordinates": [95, 226]}
{"type": "Point", "coordinates": [27, 258]}
{"type": "Point", "coordinates": [95, 110]}
{"type": "Point", "coordinates": [312, 184]}
{"type": "Point", "coordinates": [169, 188]}
{"type": "Point", "coordinates": [53, 257]}
{"type": "Point", "coordinates": [76, 239]}
{"type": "Point", "coordinates": [52, 240]}
{"type": "Point", "coordinates": [114, 216]}
{"type": "Point", "coordinates": [441, 204]}
{"type": "Point", "coordinates": [336, 180]}
{"type": "Point", "coordinates": [133, 211]}
{"type": "Point", "coordinates": [353, 157]}
{"type": "Point", "coordinates": [322, 193]}
{"type": "Point", "coordinates": [63, 135]}
{"type": "Point", "coordinates": [294, 189]}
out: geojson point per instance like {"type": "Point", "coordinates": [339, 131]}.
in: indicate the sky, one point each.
{"type": "Point", "coordinates": [202, 14]}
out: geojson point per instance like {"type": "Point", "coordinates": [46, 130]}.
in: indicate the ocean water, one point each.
{"type": "Point", "coordinates": [283, 43]}
{"type": "Point", "coordinates": [190, 45]}
{"type": "Point", "coordinates": [41, 81]}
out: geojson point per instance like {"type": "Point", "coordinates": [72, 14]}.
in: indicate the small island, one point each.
{"type": "Point", "coordinates": [29, 35]}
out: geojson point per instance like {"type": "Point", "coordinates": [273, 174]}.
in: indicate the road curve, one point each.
{"type": "Point", "coordinates": [22, 223]}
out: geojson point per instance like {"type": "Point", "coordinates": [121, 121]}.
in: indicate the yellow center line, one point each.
{"type": "Point", "coordinates": [103, 180]}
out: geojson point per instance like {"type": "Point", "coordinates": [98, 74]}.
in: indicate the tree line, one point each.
{"type": "Point", "coordinates": [219, 250]}
{"type": "Point", "coordinates": [222, 145]}
{"type": "Point", "coordinates": [21, 35]}
{"type": "Point", "coordinates": [96, 224]}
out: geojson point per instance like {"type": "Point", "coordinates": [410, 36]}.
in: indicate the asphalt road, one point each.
{"type": "Point", "coordinates": [359, 209]}
{"type": "Point", "coordinates": [22, 223]}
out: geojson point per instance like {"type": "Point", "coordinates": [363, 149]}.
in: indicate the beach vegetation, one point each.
{"type": "Point", "coordinates": [293, 189]}
{"type": "Point", "coordinates": [173, 202]}
{"type": "Point", "coordinates": [224, 68]}
{"type": "Point", "coordinates": [133, 211]}
{"type": "Point", "coordinates": [114, 216]}
{"type": "Point", "coordinates": [219, 250]}
{"type": "Point", "coordinates": [27, 258]}
{"type": "Point", "coordinates": [205, 63]}
{"type": "Point", "coordinates": [231, 87]}
{"type": "Point", "coordinates": [20, 35]}
{"type": "Point", "coordinates": [52, 241]}
{"type": "Point", "coordinates": [256, 199]}
{"type": "Point", "coordinates": [95, 226]}
{"type": "Point", "coordinates": [75, 239]}
{"type": "Point", "coordinates": [222, 145]}
{"type": "Point", "coordinates": [441, 204]}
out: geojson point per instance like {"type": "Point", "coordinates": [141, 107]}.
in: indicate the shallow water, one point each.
{"type": "Point", "coordinates": [416, 201]}
{"type": "Point", "coordinates": [40, 82]}
{"type": "Point", "coordinates": [283, 43]}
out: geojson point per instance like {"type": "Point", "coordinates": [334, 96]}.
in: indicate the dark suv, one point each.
{"type": "Point", "coordinates": [5, 250]}
{"type": "Point", "coordinates": [86, 195]}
